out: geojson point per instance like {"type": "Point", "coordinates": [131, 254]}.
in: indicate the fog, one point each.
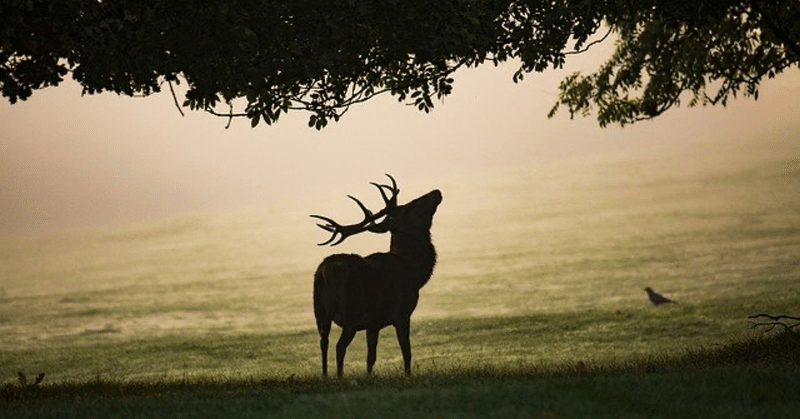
{"type": "Point", "coordinates": [70, 161]}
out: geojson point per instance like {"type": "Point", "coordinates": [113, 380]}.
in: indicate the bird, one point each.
{"type": "Point", "coordinates": [656, 298]}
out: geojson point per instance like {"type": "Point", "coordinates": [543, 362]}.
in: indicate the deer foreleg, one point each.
{"type": "Point", "coordinates": [372, 348]}
{"type": "Point", "coordinates": [341, 349]}
{"type": "Point", "coordinates": [403, 329]}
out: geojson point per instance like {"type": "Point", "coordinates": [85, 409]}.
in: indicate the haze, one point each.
{"type": "Point", "coordinates": [68, 161]}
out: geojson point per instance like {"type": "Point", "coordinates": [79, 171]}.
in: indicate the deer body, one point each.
{"type": "Point", "coordinates": [382, 289]}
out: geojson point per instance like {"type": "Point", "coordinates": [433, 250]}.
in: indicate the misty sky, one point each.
{"type": "Point", "coordinates": [72, 161]}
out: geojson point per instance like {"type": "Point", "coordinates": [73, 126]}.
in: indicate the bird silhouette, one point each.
{"type": "Point", "coordinates": [656, 298]}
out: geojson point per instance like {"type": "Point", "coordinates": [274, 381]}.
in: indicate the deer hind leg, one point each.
{"type": "Point", "coordinates": [324, 320]}
{"type": "Point", "coordinates": [341, 349]}
{"type": "Point", "coordinates": [403, 329]}
{"type": "Point", "coordinates": [324, 329]}
{"type": "Point", "coordinates": [372, 348]}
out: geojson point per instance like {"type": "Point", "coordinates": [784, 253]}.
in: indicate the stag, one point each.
{"type": "Point", "coordinates": [382, 289]}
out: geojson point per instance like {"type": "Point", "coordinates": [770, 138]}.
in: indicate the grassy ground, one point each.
{"type": "Point", "coordinates": [752, 379]}
{"type": "Point", "coordinates": [536, 308]}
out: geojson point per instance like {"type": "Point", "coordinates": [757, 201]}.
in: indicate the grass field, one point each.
{"type": "Point", "coordinates": [536, 308]}
{"type": "Point", "coordinates": [736, 381]}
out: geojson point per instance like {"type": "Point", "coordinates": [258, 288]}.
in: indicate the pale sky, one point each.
{"type": "Point", "coordinates": [69, 161]}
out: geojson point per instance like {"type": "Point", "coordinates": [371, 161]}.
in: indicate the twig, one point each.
{"type": "Point", "coordinates": [590, 44]}
{"type": "Point", "coordinates": [175, 98]}
{"type": "Point", "coordinates": [776, 321]}
{"type": "Point", "coordinates": [230, 115]}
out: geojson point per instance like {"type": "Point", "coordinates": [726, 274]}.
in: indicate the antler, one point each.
{"type": "Point", "coordinates": [345, 231]}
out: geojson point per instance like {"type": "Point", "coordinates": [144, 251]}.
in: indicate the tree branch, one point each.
{"type": "Point", "coordinates": [590, 44]}
{"type": "Point", "coordinates": [777, 320]}
{"type": "Point", "coordinates": [175, 98]}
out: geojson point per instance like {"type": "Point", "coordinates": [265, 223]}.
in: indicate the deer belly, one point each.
{"type": "Point", "coordinates": [367, 318]}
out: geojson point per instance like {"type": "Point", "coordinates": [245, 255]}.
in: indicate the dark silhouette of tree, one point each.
{"type": "Point", "coordinates": [702, 51]}
{"type": "Point", "coordinates": [323, 56]}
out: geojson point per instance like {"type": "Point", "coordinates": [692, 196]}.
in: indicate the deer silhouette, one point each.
{"type": "Point", "coordinates": [382, 289]}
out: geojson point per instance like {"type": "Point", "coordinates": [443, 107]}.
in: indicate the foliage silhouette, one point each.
{"type": "Point", "coordinates": [325, 56]}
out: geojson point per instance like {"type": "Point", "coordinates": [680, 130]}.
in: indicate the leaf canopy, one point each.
{"type": "Point", "coordinates": [323, 56]}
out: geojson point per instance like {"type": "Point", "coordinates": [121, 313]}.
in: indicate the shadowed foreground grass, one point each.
{"type": "Point", "coordinates": [750, 379]}
{"type": "Point", "coordinates": [545, 341]}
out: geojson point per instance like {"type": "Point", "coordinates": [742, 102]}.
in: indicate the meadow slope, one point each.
{"type": "Point", "coordinates": [540, 267]}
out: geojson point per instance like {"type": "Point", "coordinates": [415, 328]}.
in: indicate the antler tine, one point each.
{"type": "Point", "coordinates": [345, 231]}
{"type": "Point", "coordinates": [394, 184]}
{"type": "Point", "coordinates": [331, 224]}
{"type": "Point", "coordinates": [331, 227]}
{"type": "Point", "coordinates": [367, 212]}
{"type": "Point", "coordinates": [393, 188]}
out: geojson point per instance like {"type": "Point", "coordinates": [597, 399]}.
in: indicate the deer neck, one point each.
{"type": "Point", "coordinates": [419, 253]}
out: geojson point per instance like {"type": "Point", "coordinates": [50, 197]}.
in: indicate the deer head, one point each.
{"type": "Point", "coordinates": [413, 216]}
